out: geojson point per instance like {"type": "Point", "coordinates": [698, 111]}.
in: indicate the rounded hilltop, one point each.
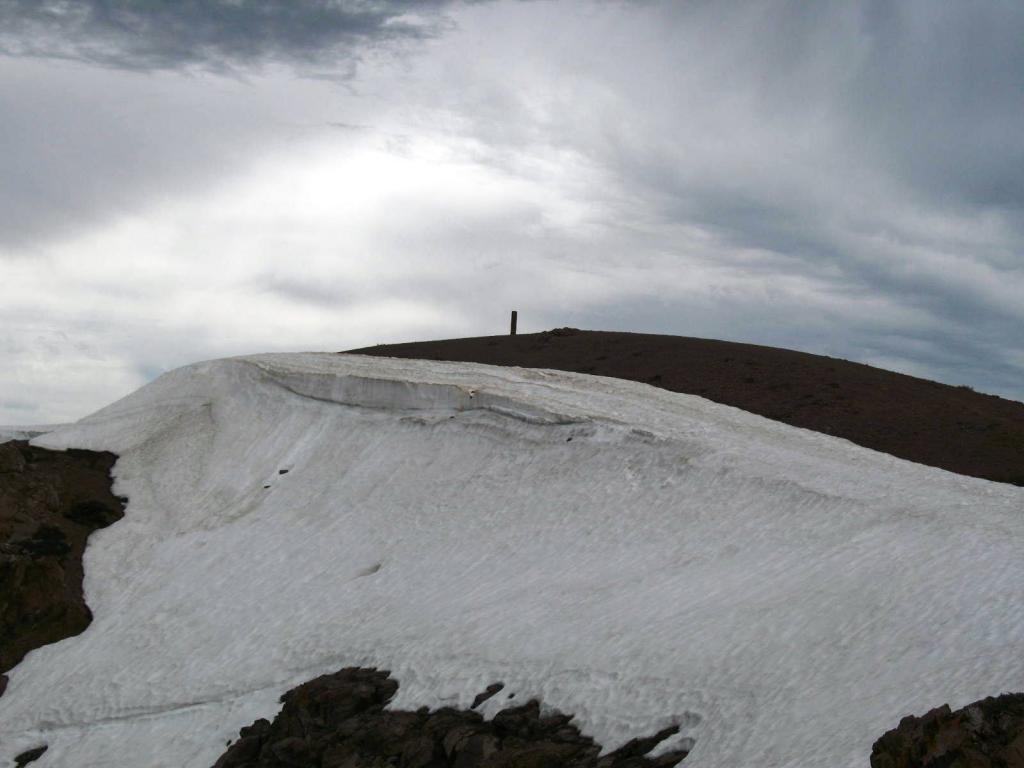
{"type": "Point", "coordinates": [949, 427]}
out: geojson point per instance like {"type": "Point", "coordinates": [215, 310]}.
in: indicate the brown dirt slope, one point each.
{"type": "Point", "coordinates": [943, 426]}
{"type": "Point", "coordinates": [50, 501]}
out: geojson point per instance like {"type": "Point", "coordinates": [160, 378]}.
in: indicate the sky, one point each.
{"type": "Point", "coordinates": [182, 181]}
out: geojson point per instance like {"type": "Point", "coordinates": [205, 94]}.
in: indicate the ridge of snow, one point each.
{"type": "Point", "coordinates": [633, 556]}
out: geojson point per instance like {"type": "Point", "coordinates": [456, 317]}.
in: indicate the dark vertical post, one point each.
{"type": "Point", "coordinates": [514, 316]}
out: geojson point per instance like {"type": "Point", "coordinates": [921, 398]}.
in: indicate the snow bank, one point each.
{"type": "Point", "coordinates": [634, 556]}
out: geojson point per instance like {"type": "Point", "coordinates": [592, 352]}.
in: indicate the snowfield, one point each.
{"type": "Point", "coordinates": [631, 555]}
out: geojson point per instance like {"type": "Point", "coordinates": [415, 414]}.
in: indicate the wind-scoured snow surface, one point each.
{"type": "Point", "coordinates": [783, 595]}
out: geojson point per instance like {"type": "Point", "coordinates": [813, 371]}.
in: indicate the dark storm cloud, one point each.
{"type": "Point", "coordinates": [874, 147]}
{"type": "Point", "coordinates": [210, 34]}
{"type": "Point", "coordinates": [929, 94]}
{"type": "Point", "coordinates": [940, 96]}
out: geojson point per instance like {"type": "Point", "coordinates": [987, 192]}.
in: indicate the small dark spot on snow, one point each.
{"type": "Point", "coordinates": [282, 471]}
{"type": "Point", "coordinates": [511, 696]}
{"type": "Point", "coordinates": [568, 439]}
{"type": "Point", "coordinates": [492, 689]}
{"type": "Point", "coordinates": [265, 487]}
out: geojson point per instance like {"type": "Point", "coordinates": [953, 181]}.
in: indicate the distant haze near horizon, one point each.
{"type": "Point", "coordinates": [185, 181]}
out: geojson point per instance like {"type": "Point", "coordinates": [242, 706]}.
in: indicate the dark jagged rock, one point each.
{"type": "Point", "coordinates": [50, 501]}
{"type": "Point", "coordinates": [29, 756]}
{"type": "Point", "coordinates": [45, 541]}
{"type": "Point", "coordinates": [93, 514]}
{"type": "Point", "coordinates": [11, 460]}
{"type": "Point", "coordinates": [986, 734]}
{"type": "Point", "coordinates": [340, 721]}
{"type": "Point", "coordinates": [490, 691]}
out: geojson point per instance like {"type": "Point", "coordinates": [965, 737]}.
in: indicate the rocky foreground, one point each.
{"type": "Point", "coordinates": [986, 734]}
{"type": "Point", "coordinates": [50, 501]}
{"type": "Point", "coordinates": [340, 721]}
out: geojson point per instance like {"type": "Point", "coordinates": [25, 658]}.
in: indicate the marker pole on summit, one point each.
{"type": "Point", "coordinates": [514, 316]}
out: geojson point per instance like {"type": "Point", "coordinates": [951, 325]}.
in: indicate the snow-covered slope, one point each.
{"type": "Point", "coordinates": [628, 554]}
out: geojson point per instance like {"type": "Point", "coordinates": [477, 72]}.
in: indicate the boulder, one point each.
{"type": "Point", "coordinates": [986, 734]}
{"type": "Point", "coordinates": [340, 721]}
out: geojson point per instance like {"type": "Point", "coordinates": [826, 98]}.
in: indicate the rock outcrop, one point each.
{"type": "Point", "coordinates": [339, 721]}
{"type": "Point", "coordinates": [986, 734]}
{"type": "Point", "coordinates": [29, 757]}
{"type": "Point", "coordinates": [50, 501]}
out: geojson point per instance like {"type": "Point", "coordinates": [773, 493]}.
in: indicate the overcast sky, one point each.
{"type": "Point", "coordinates": [181, 181]}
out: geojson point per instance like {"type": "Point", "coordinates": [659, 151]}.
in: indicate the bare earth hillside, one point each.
{"type": "Point", "coordinates": [50, 502]}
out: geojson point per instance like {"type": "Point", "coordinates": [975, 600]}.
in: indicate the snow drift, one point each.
{"type": "Point", "coordinates": [630, 555]}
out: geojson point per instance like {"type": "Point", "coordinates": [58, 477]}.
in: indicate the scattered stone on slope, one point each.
{"type": "Point", "coordinates": [29, 756]}
{"type": "Point", "coordinates": [50, 501]}
{"type": "Point", "coordinates": [986, 734]}
{"type": "Point", "coordinates": [340, 721]}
